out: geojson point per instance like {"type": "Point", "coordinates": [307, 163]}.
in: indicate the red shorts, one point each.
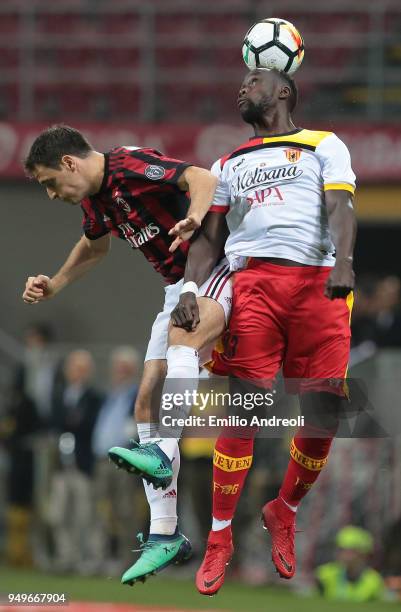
{"type": "Point", "coordinates": [281, 318]}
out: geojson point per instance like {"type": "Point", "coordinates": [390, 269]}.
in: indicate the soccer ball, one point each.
{"type": "Point", "coordinates": [273, 43]}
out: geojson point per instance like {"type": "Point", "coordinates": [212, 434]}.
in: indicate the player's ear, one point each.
{"type": "Point", "coordinates": [285, 92]}
{"type": "Point", "coordinates": [69, 162]}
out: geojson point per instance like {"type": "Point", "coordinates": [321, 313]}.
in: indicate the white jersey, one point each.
{"type": "Point", "coordinates": [273, 190]}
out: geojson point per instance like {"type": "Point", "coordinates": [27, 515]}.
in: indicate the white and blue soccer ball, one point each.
{"type": "Point", "coordinates": [273, 43]}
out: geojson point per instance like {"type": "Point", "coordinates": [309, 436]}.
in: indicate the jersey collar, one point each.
{"type": "Point", "coordinates": [296, 131]}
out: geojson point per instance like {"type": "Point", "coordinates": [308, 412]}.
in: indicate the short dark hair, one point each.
{"type": "Point", "coordinates": [288, 80]}
{"type": "Point", "coordinates": [50, 146]}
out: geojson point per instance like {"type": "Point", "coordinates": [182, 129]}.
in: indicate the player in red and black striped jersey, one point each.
{"type": "Point", "coordinates": [139, 200]}
{"type": "Point", "coordinates": [138, 195]}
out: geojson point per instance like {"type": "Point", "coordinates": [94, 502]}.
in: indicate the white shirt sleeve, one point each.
{"type": "Point", "coordinates": [221, 199]}
{"type": "Point", "coordinates": [336, 164]}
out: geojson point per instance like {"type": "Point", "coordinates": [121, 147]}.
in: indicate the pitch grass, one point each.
{"type": "Point", "coordinates": [175, 593]}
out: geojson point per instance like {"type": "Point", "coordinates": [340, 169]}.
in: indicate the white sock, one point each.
{"type": "Point", "coordinates": [182, 363]}
{"type": "Point", "coordinates": [219, 525]}
{"type": "Point", "coordinates": [182, 375]}
{"type": "Point", "coordinates": [163, 504]}
{"type": "Point", "coordinates": [147, 431]}
{"type": "Point", "coordinates": [182, 378]}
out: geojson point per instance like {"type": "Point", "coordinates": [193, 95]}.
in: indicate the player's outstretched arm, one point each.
{"type": "Point", "coordinates": [343, 227]}
{"type": "Point", "coordinates": [85, 254]}
{"type": "Point", "coordinates": [201, 185]}
{"type": "Point", "coordinates": [204, 253]}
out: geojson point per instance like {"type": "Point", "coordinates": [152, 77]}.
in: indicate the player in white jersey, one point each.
{"type": "Point", "coordinates": [288, 197]}
{"type": "Point", "coordinates": [274, 187]}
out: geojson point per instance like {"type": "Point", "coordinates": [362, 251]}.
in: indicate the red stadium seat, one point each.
{"type": "Point", "coordinates": [120, 24]}
{"type": "Point", "coordinates": [9, 102]}
{"type": "Point", "coordinates": [9, 57]}
{"type": "Point", "coordinates": [9, 23]}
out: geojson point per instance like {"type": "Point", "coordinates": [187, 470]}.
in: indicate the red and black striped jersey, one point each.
{"type": "Point", "coordinates": [139, 201]}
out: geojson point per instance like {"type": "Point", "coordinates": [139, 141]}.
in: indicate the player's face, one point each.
{"type": "Point", "coordinates": [257, 95]}
{"type": "Point", "coordinates": [64, 183]}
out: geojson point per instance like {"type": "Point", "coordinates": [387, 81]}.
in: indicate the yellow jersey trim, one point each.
{"type": "Point", "coordinates": [307, 137]}
{"type": "Point", "coordinates": [339, 186]}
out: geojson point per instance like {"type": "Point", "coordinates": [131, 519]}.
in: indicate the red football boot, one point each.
{"type": "Point", "coordinates": [279, 520]}
{"type": "Point", "coordinates": [210, 575]}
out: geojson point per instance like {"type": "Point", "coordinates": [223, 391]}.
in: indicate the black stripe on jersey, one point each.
{"type": "Point", "coordinates": [221, 275]}
{"type": "Point", "coordinates": [100, 224]}
{"type": "Point", "coordinates": [177, 206]}
{"type": "Point", "coordinates": [112, 214]}
{"type": "Point", "coordinates": [152, 252]}
{"type": "Point", "coordinates": [272, 145]}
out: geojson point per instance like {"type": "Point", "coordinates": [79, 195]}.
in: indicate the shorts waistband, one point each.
{"type": "Point", "coordinates": [256, 262]}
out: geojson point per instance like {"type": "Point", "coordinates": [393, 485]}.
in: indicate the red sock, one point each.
{"type": "Point", "coordinates": [232, 460]}
{"type": "Point", "coordinates": [308, 457]}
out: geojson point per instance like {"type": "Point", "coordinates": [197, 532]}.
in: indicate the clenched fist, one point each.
{"type": "Point", "coordinates": [37, 289]}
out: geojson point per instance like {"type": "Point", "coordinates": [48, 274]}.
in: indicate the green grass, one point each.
{"type": "Point", "coordinates": [175, 593]}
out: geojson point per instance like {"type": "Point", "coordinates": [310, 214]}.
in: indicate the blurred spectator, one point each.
{"type": "Point", "coordinates": [350, 578]}
{"type": "Point", "coordinates": [32, 399]}
{"type": "Point", "coordinates": [71, 495]}
{"type": "Point", "coordinates": [17, 425]}
{"type": "Point", "coordinates": [120, 500]}
{"type": "Point", "coordinates": [377, 314]}
{"type": "Point", "coordinates": [40, 373]}
{"type": "Point", "coordinates": [388, 312]}
{"type": "Point", "coordinates": [115, 425]}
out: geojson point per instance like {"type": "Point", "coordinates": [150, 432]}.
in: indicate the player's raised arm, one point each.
{"type": "Point", "coordinates": [343, 227]}
{"type": "Point", "coordinates": [85, 254]}
{"type": "Point", "coordinates": [201, 185]}
{"type": "Point", "coordinates": [204, 253]}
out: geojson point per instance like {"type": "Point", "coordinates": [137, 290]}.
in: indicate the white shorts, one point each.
{"type": "Point", "coordinates": [217, 287]}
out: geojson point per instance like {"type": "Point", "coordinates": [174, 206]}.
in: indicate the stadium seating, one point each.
{"type": "Point", "coordinates": [81, 55]}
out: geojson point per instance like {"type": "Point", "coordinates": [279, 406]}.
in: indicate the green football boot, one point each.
{"type": "Point", "coordinates": [157, 553]}
{"type": "Point", "coordinates": [147, 460]}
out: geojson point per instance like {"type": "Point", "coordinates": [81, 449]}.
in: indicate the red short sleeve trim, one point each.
{"type": "Point", "coordinates": [219, 209]}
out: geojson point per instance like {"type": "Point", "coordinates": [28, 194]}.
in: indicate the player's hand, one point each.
{"type": "Point", "coordinates": [37, 289]}
{"type": "Point", "coordinates": [186, 313]}
{"type": "Point", "coordinates": [183, 230]}
{"type": "Point", "coordinates": [341, 280]}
